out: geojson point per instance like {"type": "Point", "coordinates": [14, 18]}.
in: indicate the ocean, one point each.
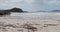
{"type": "Point", "coordinates": [38, 16]}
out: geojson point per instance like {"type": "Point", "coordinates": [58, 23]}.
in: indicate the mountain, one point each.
{"type": "Point", "coordinates": [7, 12]}
{"type": "Point", "coordinates": [55, 11]}
{"type": "Point", "coordinates": [16, 10]}
{"type": "Point", "coordinates": [49, 11]}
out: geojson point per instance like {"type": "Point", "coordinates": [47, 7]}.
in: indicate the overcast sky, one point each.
{"type": "Point", "coordinates": [31, 5]}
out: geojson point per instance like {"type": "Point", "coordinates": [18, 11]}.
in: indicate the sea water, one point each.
{"type": "Point", "coordinates": [38, 16]}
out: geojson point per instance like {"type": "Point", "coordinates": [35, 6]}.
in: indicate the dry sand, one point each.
{"type": "Point", "coordinates": [44, 22]}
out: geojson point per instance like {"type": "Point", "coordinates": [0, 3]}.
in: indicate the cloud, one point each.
{"type": "Point", "coordinates": [52, 1]}
{"type": "Point", "coordinates": [7, 2]}
{"type": "Point", "coordinates": [13, 0]}
{"type": "Point", "coordinates": [49, 1]}
{"type": "Point", "coordinates": [28, 4]}
{"type": "Point", "coordinates": [30, 1]}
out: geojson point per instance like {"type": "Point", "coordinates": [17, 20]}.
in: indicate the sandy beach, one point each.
{"type": "Point", "coordinates": [44, 22]}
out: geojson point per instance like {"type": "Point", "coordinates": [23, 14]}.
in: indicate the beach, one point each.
{"type": "Point", "coordinates": [44, 22]}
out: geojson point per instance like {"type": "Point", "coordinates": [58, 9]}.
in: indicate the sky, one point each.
{"type": "Point", "coordinates": [31, 5]}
